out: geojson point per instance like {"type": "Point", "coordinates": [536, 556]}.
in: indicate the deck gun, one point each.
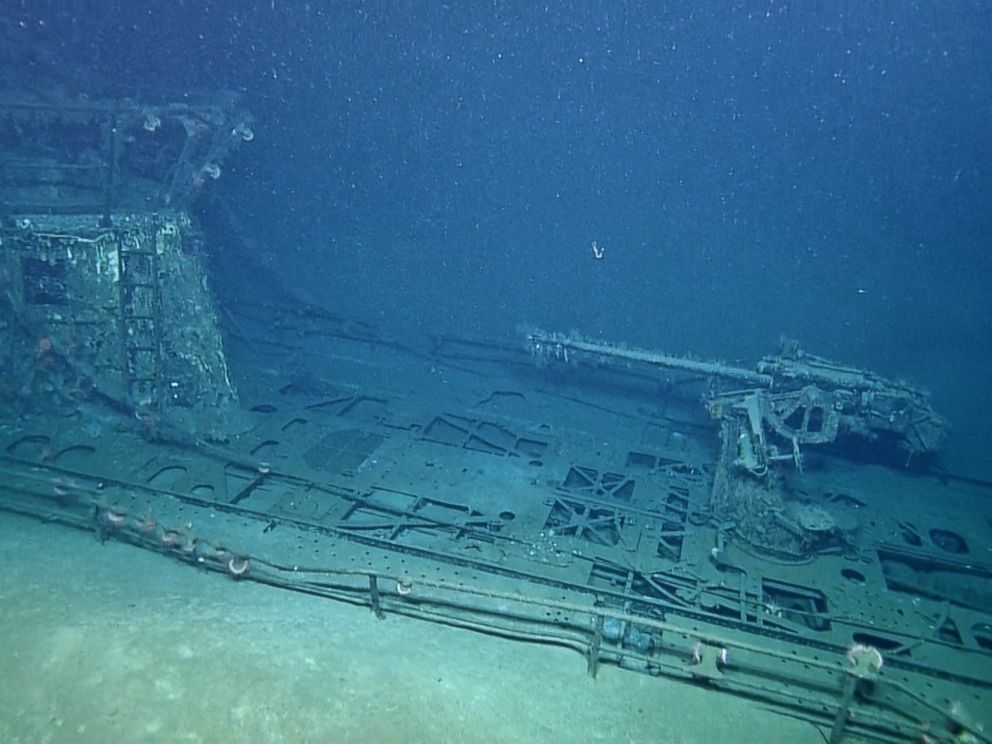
{"type": "Point", "coordinates": [788, 401]}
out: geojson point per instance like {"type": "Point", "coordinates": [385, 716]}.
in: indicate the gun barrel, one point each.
{"type": "Point", "coordinates": [555, 343]}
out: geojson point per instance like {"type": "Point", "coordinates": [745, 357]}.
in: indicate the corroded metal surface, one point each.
{"type": "Point", "coordinates": [562, 491]}
{"type": "Point", "coordinates": [121, 312]}
{"type": "Point", "coordinates": [496, 502]}
{"type": "Point", "coordinates": [84, 156]}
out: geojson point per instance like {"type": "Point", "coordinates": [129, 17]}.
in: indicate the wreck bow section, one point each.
{"type": "Point", "coordinates": [104, 295]}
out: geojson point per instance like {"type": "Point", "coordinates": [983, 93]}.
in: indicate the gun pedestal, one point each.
{"type": "Point", "coordinates": [768, 417]}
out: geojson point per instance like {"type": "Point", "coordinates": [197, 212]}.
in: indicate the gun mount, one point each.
{"type": "Point", "coordinates": [788, 401]}
{"type": "Point", "coordinates": [768, 415]}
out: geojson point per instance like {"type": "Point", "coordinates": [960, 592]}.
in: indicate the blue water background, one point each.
{"type": "Point", "coordinates": [750, 169]}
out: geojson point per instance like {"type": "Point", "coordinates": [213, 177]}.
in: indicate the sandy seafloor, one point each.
{"type": "Point", "coordinates": [110, 643]}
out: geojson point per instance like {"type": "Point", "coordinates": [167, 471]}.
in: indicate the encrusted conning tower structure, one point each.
{"type": "Point", "coordinates": [104, 297]}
